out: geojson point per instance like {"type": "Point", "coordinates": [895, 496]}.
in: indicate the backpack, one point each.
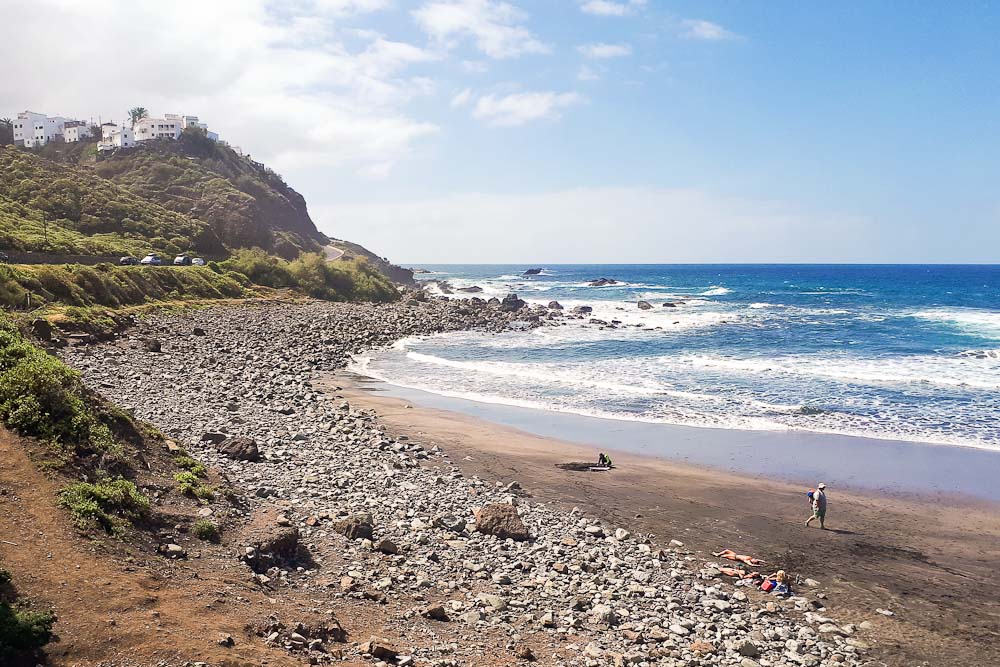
{"type": "Point", "coordinates": [811, 494]}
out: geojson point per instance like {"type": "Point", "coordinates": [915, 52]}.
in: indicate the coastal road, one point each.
{"type": "Point", "coordinates": [332, 253]}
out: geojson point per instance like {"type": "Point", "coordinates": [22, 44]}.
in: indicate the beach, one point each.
{"type": "Point", "coordinates": [928, 557]}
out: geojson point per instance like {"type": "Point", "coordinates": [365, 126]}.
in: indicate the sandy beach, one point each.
{"type": "Point", "coordinates": [928, 557]}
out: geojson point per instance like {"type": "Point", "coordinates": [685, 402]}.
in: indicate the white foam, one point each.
{"type": "Point", "coordinates": [971, 320]}
{"type": "Point", "coordinates": [716, 290]}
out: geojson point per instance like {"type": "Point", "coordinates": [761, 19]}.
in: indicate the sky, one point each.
{"type": "Point", "coordinates": [567, 131]}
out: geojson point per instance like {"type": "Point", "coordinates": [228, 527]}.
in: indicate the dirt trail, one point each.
{"type": "Point", "coordinates": [108, 608]}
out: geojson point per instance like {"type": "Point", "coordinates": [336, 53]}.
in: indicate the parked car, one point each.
{"type": "Point", "coordinates": [152, 259]}
{"type": "Point", "coordinates": [182, 260]}
{"type": "Point", "coordinates": [128, 261]}
{"type": "Point", "coordinates": [198, 261]}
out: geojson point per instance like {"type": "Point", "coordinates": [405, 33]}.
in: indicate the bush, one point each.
{"type": "Point", "coordinates": [259, 267]}
{"type": "Point", "coordinates": [42, 398]}
{"type": "Point", "coordinates": [206, 530]}
{"type": "Point", "coordinates": [109, 504]}
{"type": "Point", "coordinates": [22, 630]}
{"type": "Point", "coordinates": [190, 485]}
{"type": "Point", "coordinates": [196, 468]}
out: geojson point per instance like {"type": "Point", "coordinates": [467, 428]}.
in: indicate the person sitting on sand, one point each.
{"type": "Point", "coordinates": [781, 583]}
{"type": "Point", "coordinates": [819, 506]}
{"type": "Point", "coordinates": [604, 460]}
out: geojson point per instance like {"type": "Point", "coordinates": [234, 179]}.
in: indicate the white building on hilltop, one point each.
{"type": "Point", "coordinates": [75, 130]}
{"type": "Point", "coordinates": [32, 129]}
{"type": "Point", "coordinates": [113, 137]}
{"type": "Point", "coordinates": [169, 127]}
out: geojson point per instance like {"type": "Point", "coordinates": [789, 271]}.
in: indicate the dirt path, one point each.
{"type": "Point", "coordinates": [932, 562]}
{"type": "Point", "coordinates": [332, 253]}
{"type": "Point", "coordinates": [110, 609]}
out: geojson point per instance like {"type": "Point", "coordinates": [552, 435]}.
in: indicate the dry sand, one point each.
{"type": "Point", "coordinates": [932, 561]}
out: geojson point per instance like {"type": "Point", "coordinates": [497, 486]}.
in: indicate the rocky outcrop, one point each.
{"type": "Point", "coordinates": [511, 303]}
{"type": "Point", "coordinates": [583, 310]}
{"type": "Point", "coordinates": [555, 305]}
{"type": "Point", "coordinates": [532, 272]}
{"type": "Point", "coordinates": [602, 282]}
{"type": "Point", "coordinates": [644, 305]}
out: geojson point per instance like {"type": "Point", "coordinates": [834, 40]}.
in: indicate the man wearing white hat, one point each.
{"type": "Point", "coordinates": [819, 506]}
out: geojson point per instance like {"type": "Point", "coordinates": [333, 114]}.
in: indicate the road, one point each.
{"type": "Point", "coordinates": [332, 253]}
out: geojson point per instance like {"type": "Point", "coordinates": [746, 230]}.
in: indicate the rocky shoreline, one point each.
{"type": "Point", "coordinates": [394, 525]}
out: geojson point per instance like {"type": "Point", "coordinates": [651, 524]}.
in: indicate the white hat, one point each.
{"type": "Point", "coordinates": [821, 485]}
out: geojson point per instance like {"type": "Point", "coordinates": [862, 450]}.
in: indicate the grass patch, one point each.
{"type": "Point", "coordinates": [189, 484]}
{"type": "Point", "coordinates": [112, 505]}
{"type": "Point", "coordinates": [206, 530]}
{"type": "Point", "coordinates": [196, 468]}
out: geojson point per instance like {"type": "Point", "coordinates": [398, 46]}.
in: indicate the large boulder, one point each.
{"type": "Point", "coordinates": [583, 310]}
{"type": "Point", "coordinates": [645, 305]}
{"type": "Point", "coordinates": [511, 303]}
{"type": "Point", "coordinates": [269, 539]}
{"type": "Point", "coordinates": [356, 527]}
{"type": "Point", "coordinates": [602, 282]}
{"type": "Point", "coordinates": [501, 521]}
{"type": "Point", "coordinates": [555, 305]}
{"type": "Point", "coordinates": [532, 272]}
{"type": "Point", "coordinates": [41, 329]}
{"type": "Point", "coordinates": [240, 449]}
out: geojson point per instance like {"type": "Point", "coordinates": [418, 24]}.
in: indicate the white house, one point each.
{"type": "Point", "coordinates": [169, 127]}
{"type": "Point", "coordinates": [33, 129]}
{"type": "Point", "coordinates": [75, 130]}
{"type": "Point", "coordinates": [113, 137]}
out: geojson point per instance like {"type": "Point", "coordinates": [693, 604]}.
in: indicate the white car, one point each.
{"type": "Point", "coordinates": [198, 261]}
{"type": "Point", "coordinates": [152, 259]}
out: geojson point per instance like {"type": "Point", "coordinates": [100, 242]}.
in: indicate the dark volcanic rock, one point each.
{"type": "Point", "coordinates": [583, 310]}
{"type": "Point", "coordinates": [532, 272]}
{"type": "Point", "coordinates": [602, 282]}
{"type": "Point", "coordinates": [511, 303]}
{"type": "Point", "coordinates": [645, 305]}
{"type": "Point", "coordinates": [240, 449]}
{"type": "Point", "coordinates": [555, 305]}
{"type": "Point", "coordinates": [152, 345]}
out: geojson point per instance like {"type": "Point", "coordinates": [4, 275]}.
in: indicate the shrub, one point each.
{"type": "Point", "coordinates": [206, 530]}
{"type": "Point", "coordinates": [190, 485]}
{"type": "Point", "coordinates": [109, 504]}
{"type": "Point", "coordinates": [259, 267]}
{"type": "Point", "coordinates": [196, 468]}
{"type": "Point", "coordinates": [4, 577]}
{"type": "Point", "coordinates": [24, 630]}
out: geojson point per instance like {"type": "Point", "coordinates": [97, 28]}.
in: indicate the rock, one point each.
{"type": "Point", "coordinates": [239, 449]}
{"type": "Point", "coordinates": [555, 305]}
{"type": "Point", "coordinates": [501, 521]}
{"type": "Point", "coordinates": [380, 649]}
{"type": "Point", "coordinates": [645, 305]}
{"type": "Point", "coordinates": [226, 641]}
{"type": "Point", "coordinates": [748, 649]}
{"type": "Point", "coordinates": [603, 614]}
{"type": "Point", "coordinates": [356, 527]}
{"type": "Point", "coordinates": [435, 612]}
{"type": "Point", "coordinates": [885, 612]}
{"type": "Point", "coordinates": [511, 303]}
{"type": "Point", "coordinates": [41, 329]}
{"type": "Point", "coordinates": [268, 540]}
{"type": "Point", "coordinates": [669, 304]}
{"type": "Point", "coordinates": [214, 437]}
{"type": "Point", "coordinates": [449, 522]}
{"type": "Point", "coordinates": [475, 289]}
{"type": "Point", "coordinates": [525, 653]}
{"type": "Point", "coordinates": [197, 331]}
{"type": "Point", "coordinates": [532, 272]}
{"type": "Point", "coordinates": [701, 647]}
{"type": "Point", "coordinates": [387, 546]}
{"type": "Point", "coordinates": [172, 551]}
{"type": "Point", "coordinates": [602, 282]}
{"type": "Point", "coordinates": [583, 310]}
{"type": "Point", "coordinates": [152, 345]}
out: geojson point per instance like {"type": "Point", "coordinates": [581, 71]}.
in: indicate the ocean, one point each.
{"type": "Point", "coordinates": [892, 352]}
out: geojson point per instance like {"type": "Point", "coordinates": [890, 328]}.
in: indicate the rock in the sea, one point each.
{"type": "Point", "coordinates": [471, 290]}
{"type": "Point", "coordinates": [669, 304]}
{"type": "Point", "coordinates": [501, 521]}
{"type": "Point", "coordinates": [240, 449]}
{"type": "Point", "coordinates": [511, 303]}
{"type": "Point", "coordinates": [645, 305]}
{"type": "Point", "coordinates": [602, 282]}
{"type": "Point", "coordinates": [356, 527]}
{"type": "Point", "coordinates": [532, 272]}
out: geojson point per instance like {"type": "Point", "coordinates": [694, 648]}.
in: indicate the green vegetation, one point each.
{"type": "Point", "coordinates": [206, 530]}
{"type": "Point", "coordinates": [28, 287]}
{"type": "Point", "coordinates": [42, 398]}
{"type": "Point", "coordinates": [112, 505]}
{"type": "Point", "coordinates": [189, 484]}
{"type": "Point", "coordinates": [52, 207]}
{"type": "Point", "coordinates": [196, 468]}
{"type": "Point", "coordinates": [23, 630]}
{"type": "Point", "coordinates": [347, 280]}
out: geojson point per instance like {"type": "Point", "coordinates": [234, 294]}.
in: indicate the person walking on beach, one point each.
{"type": "Point", "coordinates": [819, 506]}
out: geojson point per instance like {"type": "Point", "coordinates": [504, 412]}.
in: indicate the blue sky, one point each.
{"type": "Point", "coordinates": [576, 131]}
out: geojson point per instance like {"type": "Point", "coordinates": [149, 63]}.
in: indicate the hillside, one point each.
{"type": "Point", "coordinates": [190, 195]}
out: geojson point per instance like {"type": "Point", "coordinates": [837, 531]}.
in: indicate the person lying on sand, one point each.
{"type": "Point", "coordinates": [736, 572]}
{"type": "Point", "coordinates": [729, 554]}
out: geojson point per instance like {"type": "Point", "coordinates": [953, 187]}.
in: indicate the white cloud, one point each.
{"type": "Point", "coordinates": [282, 82]}
{"type": "Point", "coordinates": [474, 67]}
{"type": "Point", "coordinates": [705, 30]}
{"type": "Point", "coordinates": [521, 108]}
{"type": "Point", "coordinates": [600, 50]}
{"type": "Point", "coordinates": [585, 225]}
{"type": "Point", "coordinates": [611, 7]}
{"type": "Point", "coordinates": [462, 98]}
{"type": "Point", "coordinates": [494, 26]}
{"type": "Point", "coordinates": [587, 73]}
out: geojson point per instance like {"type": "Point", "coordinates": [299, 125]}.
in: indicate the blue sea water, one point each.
{"type": "Point", "coordinates": [898, 352]}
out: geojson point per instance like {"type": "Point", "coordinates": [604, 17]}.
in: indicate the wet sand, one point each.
{"type": "Point", "coordinates": [929, 557]}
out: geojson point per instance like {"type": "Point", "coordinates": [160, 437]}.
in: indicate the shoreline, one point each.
{"type": "Point", "coordinates": [901, 551]}
{"type": "Point", "coordinates": [956, 474]}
